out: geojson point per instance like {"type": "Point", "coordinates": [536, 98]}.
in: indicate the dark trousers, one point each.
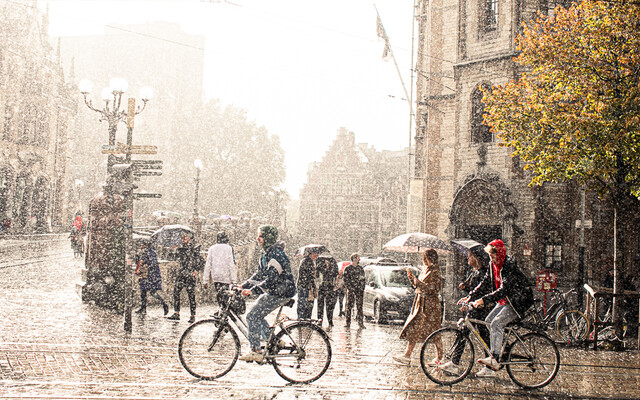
{"type": "Point", "coordinates": [190, 286]}
{"type": "Point", "coordinates": [143, 298]}
{"type": "Point", "coordinates": [340, 294]}
{"type": "Point", "coordinates": [221, 296]}
{"type": "Point", "coordinates": [326, 297]}
{"type": "Point", "coordinates": [483, 330]}
{"type": "Point", "coordinates": [305, 307]}
{"type": "Point", "coordinates": [355, 296]}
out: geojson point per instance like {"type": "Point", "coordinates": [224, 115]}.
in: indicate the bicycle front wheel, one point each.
{"type": "Point", "coordinates": [572, 326]}
{"type": "Point", "coordinates": [208, 349]}
{"type": "Point", "coordinates": [457, 356]}
{"type": "Point", "coordinates": [301, 353]}
{"type": "Point", "coordinates": [533, 361]}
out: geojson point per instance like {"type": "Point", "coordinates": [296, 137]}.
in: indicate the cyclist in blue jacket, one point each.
{"type": "Point", "coordinates": [273, 282]}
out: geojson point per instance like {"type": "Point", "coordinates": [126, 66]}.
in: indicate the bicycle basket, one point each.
{"type": "Point", "coordinates": [238, 305]}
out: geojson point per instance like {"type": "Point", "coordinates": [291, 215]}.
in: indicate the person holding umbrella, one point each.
{"type": "Point", "coordinates": [149, 276]}
{"type": "Point", "coordinates": [190, 263]}
{"type": "Point", "coordinates": [326, 274]}
{"type": "Point", "coordinates": [307, 290]}
{"type": "Point", "coordinates": [426, 312]}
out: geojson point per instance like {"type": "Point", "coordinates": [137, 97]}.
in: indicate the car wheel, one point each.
{"type": "Point", "coordinates": [378, 317]}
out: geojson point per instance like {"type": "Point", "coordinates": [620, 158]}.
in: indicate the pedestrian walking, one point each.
{"type": "Point", "coordinates": [354, 282]}
{"type": "Point", "coordinates": [426, 312]}
{"type": "Point", "coordinates": [273, 282]}
{"type": "Point", "coordinates": [149, 276]}
{"type": "Point", "coordinates": [327, 272]}
{"type": "Point", "coordinates": [190, 262]}
{"type": "Point", "coordinates": [307, 289]}
{"type": "Point", "coordinates": [340, 292]}
{"type": "Point", "coordinates": [220, 267]}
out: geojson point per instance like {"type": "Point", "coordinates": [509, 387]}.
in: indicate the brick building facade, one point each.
{"type": "Point", "coordinates": [466, 184]}
{"type": "Point", "coordinates": [37, 110]}
{"type": "Point", "coordinates": [354, 198]}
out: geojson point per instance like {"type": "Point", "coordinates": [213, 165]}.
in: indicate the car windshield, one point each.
{"type": "Point", "coordinates": [395, 278]}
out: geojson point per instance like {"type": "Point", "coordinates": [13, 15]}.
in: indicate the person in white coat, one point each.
{"type": "Point", "coordinates": [221, 266]}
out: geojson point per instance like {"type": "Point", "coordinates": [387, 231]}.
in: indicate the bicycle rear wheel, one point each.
{"type": "Point", "coordinates": [533, 361]}
{"type": "Point", "coordinates": [457, 356]}
{"type": "Point", "coordinates": [301, 352]}
{"type": "Point", "coordinates": [208, 350]}
{"type": "Point", "coordinates": [572, 326]}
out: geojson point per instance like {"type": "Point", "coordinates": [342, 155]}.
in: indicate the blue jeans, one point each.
{"type": "Point", "coordinates": [258, 326]}
{"type": "Point", "coordinates": [498, 318]}
{"type": "Point", "coordinates": [305, 307]}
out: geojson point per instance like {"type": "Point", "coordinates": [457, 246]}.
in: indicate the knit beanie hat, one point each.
{"type": "Point", "coordinates": [269, 235]}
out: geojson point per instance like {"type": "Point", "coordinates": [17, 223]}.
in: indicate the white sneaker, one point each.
{"type": "Point", "coordinates": [450, 368]}
{"type": "Point", "coordinates": [252, 356]}
{"type": "Point", "coordinates": [402, 360]}
{"type": "Point", "coordinates": [486, 372]}
{"type": "Point", "coordinates": [490, 362]}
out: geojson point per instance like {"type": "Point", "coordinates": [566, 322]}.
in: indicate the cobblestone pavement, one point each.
{"type": "Point", "coordinates": [54, 346]}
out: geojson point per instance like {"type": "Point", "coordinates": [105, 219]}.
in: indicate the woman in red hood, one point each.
{"type": "Point", "coordinates": [513, 295]}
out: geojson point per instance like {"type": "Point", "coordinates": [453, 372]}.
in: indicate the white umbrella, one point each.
{"type": "Point", "coordinates": [417, 242]}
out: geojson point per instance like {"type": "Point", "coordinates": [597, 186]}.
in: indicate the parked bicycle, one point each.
{"type": "Point", "coordinates": [570, 325]}
{"type": "Point", "coordinates": [299, 351]}
{"type": "Point", "coordinates": [531, 358]}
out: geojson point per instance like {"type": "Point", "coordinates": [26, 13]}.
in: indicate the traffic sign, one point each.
{"type": "Point", "coordinates": [147, 195]}
{"type": "Point", "coordinates": [146, 173]}
{"type": "Point", "coordinates": [121, 148]}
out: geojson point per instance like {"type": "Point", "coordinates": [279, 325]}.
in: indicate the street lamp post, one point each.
{"type": "Point", "coordinates": [114, 114]}
{"type": "Point", "coordinates": [111, 110]}
{"type": "Point", "coordinates": [196, 216]}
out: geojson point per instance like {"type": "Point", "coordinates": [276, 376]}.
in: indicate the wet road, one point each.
{"type": "Point", "coordinates": [54, 346]}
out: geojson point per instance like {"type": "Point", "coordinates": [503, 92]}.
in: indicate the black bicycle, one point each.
{"type": "Point", "coordinates": [531, 358]}
{"type": "Point", "coordinates": [299, 351]}
{"type": "Point", "coordinates": [570, 325]}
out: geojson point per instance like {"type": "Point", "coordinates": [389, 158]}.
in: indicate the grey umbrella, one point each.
{"type": "Point", "coordinates": [464, 245]}
{"type": "Point", "coordinates": [312, 248]}
{"type": "Point", "coordinates": [170, 235]}
{"type": "Point", "coordinates": [417, 242]}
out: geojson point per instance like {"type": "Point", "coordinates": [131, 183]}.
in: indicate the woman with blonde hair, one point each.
{"type": "Point", "coordinates": [426, 312]}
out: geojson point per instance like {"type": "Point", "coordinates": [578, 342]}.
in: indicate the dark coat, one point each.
{"type": "Point", "coordinates": [153, 280]}
{"type": "Point", "coordinates": [327, 275]}
{"type": "Point", "coordinates": [306, 274]}
{"type": "Point", "coordinates": [354, 278]}
{"type": "Point", "coordinates": [515, 287]}
{"type": "Point", "coordinates": [273, 275]}
{"type": "Point", "coordinates": [189, 260]}
{"type": "Point", "coordinates": [478, 283]}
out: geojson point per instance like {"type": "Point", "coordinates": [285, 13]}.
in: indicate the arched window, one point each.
{"type": "Point", "coordinates": [480, 133]}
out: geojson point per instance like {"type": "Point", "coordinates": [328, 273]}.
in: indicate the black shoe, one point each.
{"type": "Point", "coordinates": [141, 311]}
{"type": "Point", "coordinates": [361, 326]}
{"type": "Point", "coordinates": [192, 319]}
{"type": "Point", "coordinates": [330, 323]}
{"type": "Point", "coordinates": [166, 308]}
{"type": "Point", "coordinates": [174, 317]}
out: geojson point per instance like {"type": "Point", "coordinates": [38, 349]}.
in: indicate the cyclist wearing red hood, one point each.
{"type": "Point", "coordinates": [514, 296]}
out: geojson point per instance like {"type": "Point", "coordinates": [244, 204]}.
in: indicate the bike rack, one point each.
{"type": "Point", "coordinates": [597, 293]}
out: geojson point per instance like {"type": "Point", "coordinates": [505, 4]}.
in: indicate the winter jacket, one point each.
{"type": "Point", "coordinates": [478, 283]}
{"type": "Point", "coordinates": [220, 266]}
{"type": "Point", "coordinates": [273, 275]}
{"type": "Point", "coordinates": [307, 274]}
{"type": "Point", "coordinates": [514, 286]}
{"type": "Point", "coordinates": [153, 280]}
{"type": "Point", "coordinates": [354, 277]}
{"type": "Point", "coordinates": [189, 260]}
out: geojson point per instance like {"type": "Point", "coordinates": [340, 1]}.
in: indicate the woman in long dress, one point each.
{"type": "Point", "coordinates": [426, 312]}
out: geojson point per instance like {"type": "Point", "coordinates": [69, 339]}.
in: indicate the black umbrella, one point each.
{"type": "Point", "coordinates": [171, 235]}
{"type": "Point", "coordinates": [464, 245]}
{"type": "Point", "coordinates": [311, 248]}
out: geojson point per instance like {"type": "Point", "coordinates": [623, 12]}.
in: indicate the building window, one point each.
{"type": "Point", "coordinates": [480, 132]}
{"type": "Point", "coordinates": [553, 256]}
{"type": "Point", "coordinates": [489, 15]}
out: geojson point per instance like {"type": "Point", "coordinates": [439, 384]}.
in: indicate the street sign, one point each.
{"type": "Point", "coordinates": [146, 162]}
{"type": "Point", "coordinates": [147, 195]}
{"type": "Point", "coordinates": [146, 173]}
{"type": "Point", "coordinates": [121, 148]}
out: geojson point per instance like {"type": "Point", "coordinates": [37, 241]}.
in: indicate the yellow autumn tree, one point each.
{"type": "Point", "coordinates": [574, 113]}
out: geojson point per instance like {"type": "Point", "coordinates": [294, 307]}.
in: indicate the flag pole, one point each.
{"type": "Point", "coordinates": [382, 33]}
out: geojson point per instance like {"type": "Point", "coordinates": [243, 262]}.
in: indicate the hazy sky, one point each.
{"type": "Point", "coordinates": [300, 68]}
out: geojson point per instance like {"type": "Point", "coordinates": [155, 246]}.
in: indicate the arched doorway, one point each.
{"type": "Point", "coordinates": [478, 212]}
{"type": "Point", "coordinates": [22, 200]}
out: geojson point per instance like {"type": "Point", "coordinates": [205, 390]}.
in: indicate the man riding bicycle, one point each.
{"type": "Point", "coordinates": [273, 281]}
